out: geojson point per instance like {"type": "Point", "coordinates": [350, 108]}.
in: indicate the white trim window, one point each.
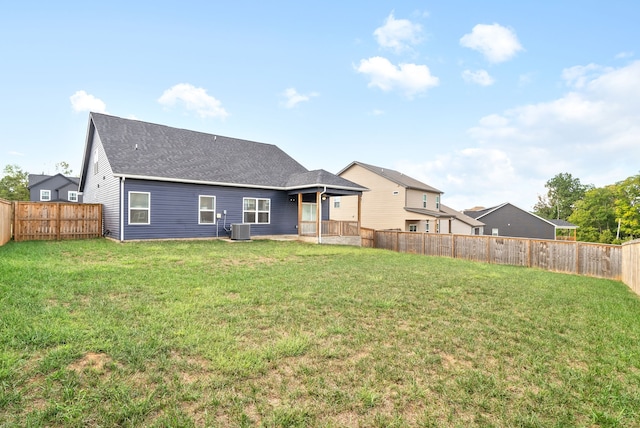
{"type": "Point", "coordinates": [424, 200]}
{"type": "Point", "coordinates": [495, 232]}
{"type": "Point", "coordinates": [256, 210]}
{"type": "Point", "coordinates": [45, 195]}
{"type": "Point", "coordinates": [437, 202]}
{"type": "Point", "coordinates": [139, 208]}
{"type": "Point", "coordinates": [72, 196]}
{"type": "Point", "coordinates": [413, 228]}
{"type": "Point", "coordinates": [336, 202]}
{"type": "Point", "coordinates": [426, 226]}
{"type": "Point", "coordinates": [206, 209]}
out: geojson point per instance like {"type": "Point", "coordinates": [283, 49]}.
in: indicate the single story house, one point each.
{"type": "Point", "coordinates": [508, 220]}
{"type": "Point", "coordinates": [396, 201]}
{"type": "Point", "coordinates": [160, 182]}
{"type": "Point", "coordinates": [53, 188]}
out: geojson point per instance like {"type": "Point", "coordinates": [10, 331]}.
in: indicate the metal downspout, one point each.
{"type": "Point", "coordinates": [121, 209]}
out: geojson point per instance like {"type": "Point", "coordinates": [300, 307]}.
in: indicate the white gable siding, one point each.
{"type": "Point", "coordinates": [103, 188]}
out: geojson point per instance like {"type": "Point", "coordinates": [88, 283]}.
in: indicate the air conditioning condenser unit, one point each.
{"type": "Point", "coordinates": [240, 231]}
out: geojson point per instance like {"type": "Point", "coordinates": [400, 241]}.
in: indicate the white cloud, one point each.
{"type": "Point", "coordinates": [398, 34]}
{"type": "Point", "coordinates": [624, 55]}
{"type": "Point", "coordinates": [480, 77]}
{"type": "Point", "coordinates": [411, 79]}
{"type": "Point", "coordinates": [579, 75]}
{"type": "Point", "coordinates": [193, 99]}
{"type": "Point", "coordinates": [81, 101]}
{"type": "Point", "coordinates": [293, 97]}
{"type": "Point", "coordinates": [592, 132]}
{"type": "Point", "coordinates": [495, 42]}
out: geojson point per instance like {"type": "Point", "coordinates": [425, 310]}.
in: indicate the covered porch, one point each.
{"type": "Point", "coordinates": [313, 206]}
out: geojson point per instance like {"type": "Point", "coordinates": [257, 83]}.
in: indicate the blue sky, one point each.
{"type": "Point", "coordinates": [485, 101]}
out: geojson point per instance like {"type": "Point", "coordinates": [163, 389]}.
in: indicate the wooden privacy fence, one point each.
{"type": "Point", "coordinates": [631, 265]}
{"type": "Point", "coordinates": [6, 216]}
{"type": "Point", "coordinates": [56, 221]}
{"type": "Point", "coordinates": [581, 258]}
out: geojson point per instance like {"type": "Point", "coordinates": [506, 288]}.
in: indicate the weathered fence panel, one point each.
{"type": "Point", "coordinates": [367, 237]}
{"type": "Point", "coordinates": [6, 221]}
{"type": "Point", "coordinates": [56, 221]}
{"type": "Point", "coordinates": [580, 258]}
{"type": "Point", "coordinates": [410, 242]}
{"type": "Point", "coordinates": [475, 248]}
{"type": "Point", "coordinates": [436, 244]}
{"type": "Point", "coordinates": [509, 251]}
{"type": "Point", "coordinates": [631, 265]}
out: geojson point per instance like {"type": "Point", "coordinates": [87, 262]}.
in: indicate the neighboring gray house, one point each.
{"type": "Point", "coordinates": [53, 188]}
{"type": "Point", "coordinates": [155, 181]}
{"type": "Point", "coordinates": [509, 220]}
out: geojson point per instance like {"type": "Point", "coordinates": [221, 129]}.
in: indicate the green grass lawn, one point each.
{"type": "Point", "coordinates": [286, 334]}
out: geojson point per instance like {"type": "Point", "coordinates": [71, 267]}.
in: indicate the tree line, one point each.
{"type": "Point", "coordinates": [609, 214]}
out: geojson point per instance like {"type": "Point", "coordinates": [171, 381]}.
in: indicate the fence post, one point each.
{"type": "Point", "coordinates": [488, 249]}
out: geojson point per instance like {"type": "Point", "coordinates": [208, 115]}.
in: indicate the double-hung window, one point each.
{"type": "Point", "coordinates": [72, 196]}
{"type": "Point", "coordinates": [139, 208]}
{"type": "Point", "coordinates": [426, 226]}
{"type": "Point", "coordinates": [438, 202]}
{"type": "Point", "coordinates": [45, 195]}
{"type": "Point", "coordinates": [336, 202]}
{"type": "Point", "coordinates": [256, 210]}
{"type": "Point", "coordinates": [413, 228]}
{"type": "Point", "coordinates": [424, 200]}
{"type": "Point", "coordinates": [207, 209]}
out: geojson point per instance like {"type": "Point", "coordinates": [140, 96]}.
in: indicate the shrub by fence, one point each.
{"type": "Point", "coordinates": [56, 221]}
{"type": "Point", "coordinates": [581, 258]}
{"type": "Point", "coordinates": [6, 216]}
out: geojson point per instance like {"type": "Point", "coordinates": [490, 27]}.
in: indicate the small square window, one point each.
{"type": "Point", "coordinates": [336, 202]}
{"type": "Point", "coordinates": [72, 196]}
{"type": "Point", "coordinates": [45, 195]}
{"type": "Point", "coordinates": [413, 228]}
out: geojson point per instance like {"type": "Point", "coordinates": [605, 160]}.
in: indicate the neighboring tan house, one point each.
{"type": "Point", "coordinates": [53, 188]}
{"type": "Point", "coordinates": [155, 181]}
{"type": "Point", "coordinates": [508, 220]}
{"type": "Point", "coordinates": [398, 202]}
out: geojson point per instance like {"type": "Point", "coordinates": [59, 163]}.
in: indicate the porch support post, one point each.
{"type": "Point", "coordinates": [318, 215]}
{"type": "Point", "coordinates": [359, 212]}
{"type": "Point", "coordinates": [299, 214]}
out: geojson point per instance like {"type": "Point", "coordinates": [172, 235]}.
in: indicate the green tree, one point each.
{"type": "Point", "coordinates": [627, 207]}
{"type": "Point", "coordinates": [14, 184]}
{"type": "Point", "coordinates": [595, 215]}
{"type": "Point", "coordinates": [563, 191]}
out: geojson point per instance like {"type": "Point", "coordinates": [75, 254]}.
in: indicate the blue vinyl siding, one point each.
{"type": "Point", "coordinates": [174, 210]}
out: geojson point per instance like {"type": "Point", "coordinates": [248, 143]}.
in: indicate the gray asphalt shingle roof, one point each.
{"type": "Point", "coordinates": [395, 176]}
{"type": "Point", "coordinates": [142, 149]}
